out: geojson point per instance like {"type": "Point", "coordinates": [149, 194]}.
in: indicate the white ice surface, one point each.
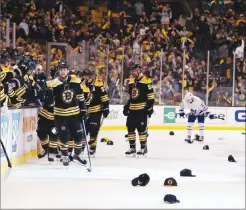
{"type": "Point", "coordinates": [219, 183]}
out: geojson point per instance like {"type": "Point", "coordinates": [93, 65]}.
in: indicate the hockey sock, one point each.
{"type": "Point", "coordinates": [93, 143]}
{"type": "Point", "coordinates": [201, 129]}
{"type": "Point", "coordinates": [142, 139]}
{"type": "Point", "coordinates": [83, 144]}
{"type": "Point", "coordinates": [64, 148]}
{"type": "Point", "coordinates": [70, 146]}
{"type": "Point", "coordinates": [45, 144]}
{"type": "Point", "coordinates": [77, 148]}
{"type": "Point", "coordinates": [132, 139]}
{"type": "Point", "coordinates": [53, 147]}
{"type": "Point", "coordinates": [189, 129]}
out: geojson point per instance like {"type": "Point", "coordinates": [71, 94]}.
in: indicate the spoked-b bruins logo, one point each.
{"type": "Point", "coordinates": [67, 96]}
{"type": "Point", "coordinates": [135, 93]}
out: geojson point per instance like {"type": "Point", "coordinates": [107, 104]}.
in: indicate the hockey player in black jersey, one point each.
{"type": "Point", "coordinates": [69, 109]}
{"type": "Point", "coordinates": [97, 103]}
{"type": "Point", "coordinates": [138, 109]}
{"type": "Point", "coordinates": [46, 130]}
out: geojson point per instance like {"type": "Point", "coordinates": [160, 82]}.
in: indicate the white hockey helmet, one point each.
{"type": "Point", "coordinates": [189, 97]}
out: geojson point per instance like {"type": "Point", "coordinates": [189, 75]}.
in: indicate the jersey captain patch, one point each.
{"type": "Point", "coordinates": [67, 96]}
{"type": "Point", "coordinates": [135, 93]}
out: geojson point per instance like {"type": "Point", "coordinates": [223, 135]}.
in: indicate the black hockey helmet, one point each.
{"type": "Point", "coordinates": [135, 67]}
{"type": "Point", "coordinates": [87, 72]}
{"type": "Point", "coordinates": [63, 65]}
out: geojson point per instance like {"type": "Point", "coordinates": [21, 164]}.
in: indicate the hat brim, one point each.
{"type": "Point", "coordinates": [135, 182]}
{"type": "Point", "coordinates": [188, 175]}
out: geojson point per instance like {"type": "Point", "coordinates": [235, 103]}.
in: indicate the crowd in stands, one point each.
{"type": "Point", "coordinates": [145, 32]}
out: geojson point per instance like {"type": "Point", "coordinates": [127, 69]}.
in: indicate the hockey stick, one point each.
{"type": "Point", "coordinates": [6, 155]}
{"type": "Point", "coordinates": [6, 175]}
{"type": "Point", "coordinates": [87, 147]}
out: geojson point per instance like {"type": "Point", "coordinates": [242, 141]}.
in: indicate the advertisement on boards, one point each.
{"type": "Point", "coordinates": [240, 116]}
{"type": "Point", "coordinates": [4, 132]}
{"type": "Point", "coordinates": [16, 116]}
{"type": "Point", "coordinates": [29, 124]}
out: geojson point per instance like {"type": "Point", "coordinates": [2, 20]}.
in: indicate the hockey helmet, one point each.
{"type": "Point", "coordinates": [135, 67]}
{"type": "Point", "coordinates": [63, 65]}
{"type": "Point", "coordinates": [189, 97]}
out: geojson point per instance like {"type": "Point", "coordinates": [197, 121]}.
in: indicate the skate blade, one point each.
{"type": "Point", "coordinates": [142, 156]}
{"type": "Point", "coordinates": [131, 156]}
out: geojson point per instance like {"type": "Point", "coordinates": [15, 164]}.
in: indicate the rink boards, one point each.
{"type": "Point", "coordinates": [18, 128]}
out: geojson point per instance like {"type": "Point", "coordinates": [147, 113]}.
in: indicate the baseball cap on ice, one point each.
{"type": "Point", "coordinates": [170, 182]}
{"type": "Point", "coordinates": [206, 147]}
{"type": "Point", "coordinates": [186, 172]}
{"type": "Point", "coordinates": [231, 159]}
{"type": "Point", "coordinates": [169, 198]}
{"type": "Point", "coordinates": [142, 180]}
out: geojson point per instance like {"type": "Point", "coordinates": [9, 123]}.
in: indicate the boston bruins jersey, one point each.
{"type": "Point", "coordinates": [141, 94]}
{"type": "Point", "coordinates": [6, 73]}
{"type": "Point", "coordinates": [85, 89]}
{"type": "Point", "coordinates": [68, 96]}
{"type": "Point", "coordinates": [47, 112]}
{"type": "Point", "coordinates": [3, 96]}
{"type": "Point", "coordinates": [97, 99]}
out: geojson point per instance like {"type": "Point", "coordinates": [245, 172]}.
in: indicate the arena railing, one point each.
{"type": "Point", "coordinates": [212, 80]}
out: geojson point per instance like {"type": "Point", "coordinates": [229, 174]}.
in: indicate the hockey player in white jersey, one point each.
{"type": "Point", "coordinates": [198, 110]}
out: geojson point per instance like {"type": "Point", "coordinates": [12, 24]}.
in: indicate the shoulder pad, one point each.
{"type": "Point", "coordinates": [53, 83]}
{"type": "Point", "coordinates": [84, 88]}
{"type": "Point", "coordinates": [75, 79]}
{"type": "Point", "coordinates": [98, 83]}
{"type": "Point", "coordinates": [146, 80]}
{"type": "Point", "coordinates": [131, 81]}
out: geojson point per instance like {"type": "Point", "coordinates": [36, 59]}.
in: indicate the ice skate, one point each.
{"type": "Point", "coordinates": [142, 152]}
{"type": "Point", "coordinates": [79, 159]}
{"type": "Point", "coordinates": [65, 160]}
{"type": "Point", "coordinates": [188, 140]}
{"type": "Point", "coordinates": [200, 139]}
{"type": "Point", "coordinates": [59, 155]}
{"type": "Point", "coordinates": [42, 154]}
{"type": "Point", "coordinates": [92, 153]}
{"type": "Point", "coordinates": [51, 157]}
{"type": "Point", "coordinates": [131, 152]}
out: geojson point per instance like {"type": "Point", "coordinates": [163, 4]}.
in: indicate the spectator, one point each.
{"type": "Point", "coordinates": [23, 25]}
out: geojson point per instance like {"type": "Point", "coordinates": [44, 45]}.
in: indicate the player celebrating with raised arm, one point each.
{"type": "Point", "coordinates": [198, 110]}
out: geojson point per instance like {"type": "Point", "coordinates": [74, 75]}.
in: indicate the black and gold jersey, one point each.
{"type": "Point", "coordinates": [68, 96]}
{"type": "Point", "coordinates": [47, 112]}
{"type": "Point", "coordinates": [97, 98]}
{"type": "Point", "coordinates": [3, 96]}
{"type": "Point", "coordinates": [6, 73]}
{"type": "Point", "coordinates": [141, 94]}
{"type": "Point", "coordinates": [85, 89]}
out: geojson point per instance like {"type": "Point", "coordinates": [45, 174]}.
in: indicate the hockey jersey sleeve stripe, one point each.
{"type": "Point", "coordinates": [66, 112]}
{"type": "Point", "coordinates": [63, 109]}
{"type": "Point", "coordinates": [80, 97]}
{"type": "Point", "coordinates": [11, 93]}
{"type": "Point", "coordinates": [181, 109]}
{"type": "Point", "coordinates": [20, 92]}
{"type": "Point", "coordinates": [2, 97]}
{"type": "Point", "coordinates": [139, 106]}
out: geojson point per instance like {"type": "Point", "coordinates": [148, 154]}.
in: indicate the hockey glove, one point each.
{"type": "Point", "coordinates": [150, 111]}
{"type": "Point", "coordinates": [84, 114]}
{"type": "Point", "coordinates": [125, 110]}
{"type": "Point", "coordinates": [182, 114]}
{"type": "Point", "coordinates": [211, 116]}
{"type": "Point", "coordinates": [105, 112]}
